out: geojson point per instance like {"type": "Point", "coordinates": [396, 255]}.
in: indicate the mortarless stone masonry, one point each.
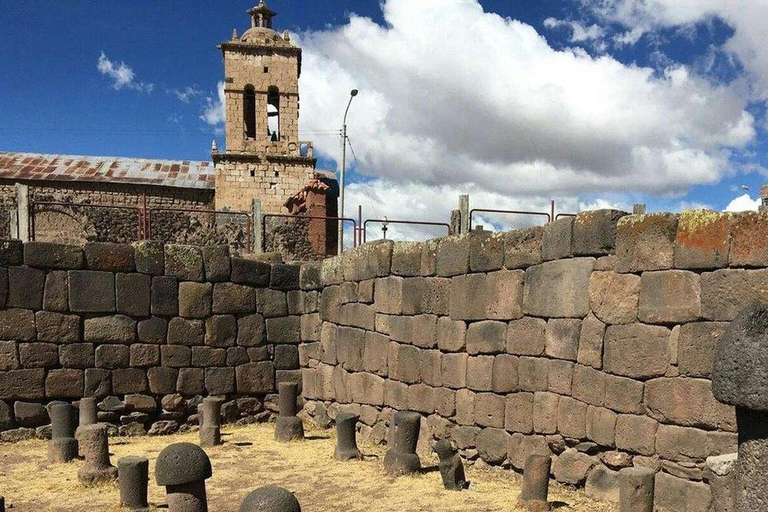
{"type": "Point", "coordinates": [600, 356]}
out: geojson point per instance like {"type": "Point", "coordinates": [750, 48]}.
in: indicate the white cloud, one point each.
{"type": "Point", "coordinates": [213, 113]}
{"type": "Point", "coordinates": [474, 101]}
{"type": "Point", "coordinates": [186, 94]}
{"type": "Point", "coordinates": [579, 32]}
{"type": "Point", "coordinates": [122, 75]}
{"type": "Point", "coordinates": [743, 203]}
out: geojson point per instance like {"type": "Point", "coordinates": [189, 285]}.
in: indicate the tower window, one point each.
{"type": "Point", "coordinates": [249, 111]}
{"type": "Point", "coordinates": [273, 114]}
{"type": "Point", "coordinates": [277, 174]}
{"type": "Point", "coordinates": [253, 173]}
{"type": "Point", "coordinates": [266, 69]}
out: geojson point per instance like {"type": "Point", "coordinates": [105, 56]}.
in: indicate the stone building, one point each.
{"type": "Point", "coordinates": [264, 168]}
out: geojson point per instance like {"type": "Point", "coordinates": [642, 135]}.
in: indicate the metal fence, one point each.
{"type": "Point", "coordinates": [305, 237]}
{"type": "Point", "coordinates": [563, 215]}
{"type": "Point", "coordinates": [506, 220]}
{"type": "Point", "coordinates": [403, 230]}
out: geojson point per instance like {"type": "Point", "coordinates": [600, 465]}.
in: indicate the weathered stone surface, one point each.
{"type": "Point", "coordinates": [149, 257]}
{"type": "Point", "coordinates": [55, 295]}
{"type": "Point", "coordinates": [568, 280]}
{"type": "Point", "coordinates": [9, 359]}
{"type": "Point", "coordinates": [489, 410]}
{"type": "Point", "coordinates": [453, 255]}
{"type": "Point", "coordinates": [45, 255]}
{"type": "Point", "coordinates": [110, 329]}
{"type": "Point", "coordinates": [522, 446]}
{"type": "Point", "coordinates": [601, 426]}
{"type": "Point", "coordinates": [38, 355]}
{"type": "Point", "coordinates": [526, 337]}
{"type": "Point", "coordinates": [11, 253]}
{"type": "Point", "coordinates": [284, 330]}
{"type": "Point", "coordinates": [668, 297]}
{"type": "Point", "coordinates": [614, 297]}
{"type": "Point", "coordinates": [646, 242]}
{"type": "Point", "coordinates": [309, 276]}
{"type": "Point", "coordinates": [503, 295]}
{"type": "Point", "coordinates": [153, 330]}
{"type": "Point", "coordinates": [623, 395]}
{"type": "Point", "coordinates": [56, 327]}
{"type": "Point", "coordinates": [165, 296]}
{"type": "Point", "coordinates": [109, 257]}
{"type": "Point", "coordinates": [681, 443]}
{"type": "Point", "coordinates": [522, 248]}
{"type": "Point", "coordinates": [703, 239]}
{"type": "Point", "coordinates": [406, 259]}
{"type": "Point", "coordinates": [591, 342]}
{"type": "Point", "coordinates": [231, 298]}
{"type": "Point", "coordinates": [748, 229]}
{"type": "Point", "coordinates": [184, 262]}
{"type": "Point", "coordinates": [25, 288]}
{"type": "Point", "coordinates": [451, 334]}
{"type": "Point", "coordinates": [637, 351]}
{"type": "Point", "coordinates": [486, 337]}
{"type": "Point", "coordinates": [182, 331]}
{"type": "Point", "coordinates": [368, 261]}
{"type": "Point", "coordinates": [91, 291]}
{"type": "Point", "coordinates": [271, 303]}
{"type": "Point", "coordinates": [30, 414]}
{"type": "Point", "coordinates": [144, 356]}
{"type": "Point", "coordinates": [195, 299]}
{"type": "Point", "coordinates": [216, 263]}
{"type": "Point", "coordinates": [696, 347]}
{"type": "Point", "coordinates": [673, 493]}
{"type": "Point", "coordinates": [251, 331]}
{"type": "Point", "coordinates": [492, 445]}
{"type": "Point", "coordinates": [518, 412]}
{"type": "Point", "coordinates": [22, 384]}
{"type": "Point", "coordinates": [572, 467]}
{"type": "Point", "coordinates": [453, 370]}
{"type": "Point", "coordinates": [221, 331]}
{"type": "Point", "coordinates": [17, 324]}
{"type": "Point", "coordinates": [203, 357]}
{"type": "Point", "coordinates": [603, 484]}
{"type": "Point", "coordinates": [284, 277]}
{"type": "Point", "coordinates": [132, 294]}
{"type": "Point", "coordinates": [129, 380]}
{"type": "Point", "coordinates": [594, 232]}
{"type": "Point", "coordinates": [557, 239]}
{"type": "Point", "coordinates": [66, 383]}
{"type": "Point", "coordinates": [254, 378]}
{"type": "Point", "coordinates": [480, 373]}
{"type": "Point", "coordinates": [220, 381]}
{"type": "Point", "coordinates": [467, 297]}
{"type": "Point", "coordinates": [486, 251]}
{"type": "Point", "coordinates": [77, 355]}
{"type": "Point", "coordinates": [505, 373]}
{"type": "Point", "coordinates": [162, 380]}
{"type": "Point", "coordinates": [533, 374]}
{"type": "Point", "coordinates": [588, 385]}
{"type": "Point", "coordinates": [562, 338]}
{"type": "Point", "coordinates": [572, 418]}
{"type": "Point", "coordinates": [112, 356]}
{"type": "Point", "coordinates": [688, 402]}
{"type": "Point", "coordinates": [545, 407]}
{"type": "Point", "coordinates": [250, 272]}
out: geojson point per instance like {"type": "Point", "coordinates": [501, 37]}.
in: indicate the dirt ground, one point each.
{"type": "Point", "coordinates": [251, 458]}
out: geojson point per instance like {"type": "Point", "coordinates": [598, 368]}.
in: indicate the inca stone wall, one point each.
{"type": "Point", "coordinates": [147, 329]}
{"type": "Point", "coordinates": [590, 340]}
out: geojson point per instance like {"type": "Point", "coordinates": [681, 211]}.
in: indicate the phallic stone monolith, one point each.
{"type": "Point", "coordinates": [270, 499]}
{"type": "Point", "coordinates": [636, 487]}
{"type": "Point", "coordinates": [133, 478]}
{"type": "Point", "coordinates": [288, 427]}
{"type": "Point", "coordinates": [740, 378]}
{"type": "Point", "coordinates": [88, 411]}
{"type": "Point", "coordinates": [534, 496]}
{"type": "Point", "coordinates": [63, 446]}
{"type": "Point", "coordinates": [210, 421]}
{"type": "Point", "coordinates": [401, 458]}
{"type": "Point", "coordinates": [183, 468]}
{"type": "Point", "coordinates": [451, 466]}
{"type": "Point", "coordinates": [97, 468]}
{"type": "Point", "coordinates": [346, 437]}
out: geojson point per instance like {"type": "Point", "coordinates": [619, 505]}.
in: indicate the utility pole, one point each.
{"type": "Point", "coordinates": [352, 94]}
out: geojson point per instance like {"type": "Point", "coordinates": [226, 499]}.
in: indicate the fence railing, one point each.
{"type": "Point", "coordinates": [506, 220]}
{"type": "Point", "coordinates": [405, 230]}
{"type": "Point", "coordinates": [305, 237]}
{"type": "Point", "coordinates": [563, 215]}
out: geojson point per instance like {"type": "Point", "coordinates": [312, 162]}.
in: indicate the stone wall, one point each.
{"type": "Point", "coordinates": [590, 340]}
{"type": "Point", "coordinates": [149, 329]}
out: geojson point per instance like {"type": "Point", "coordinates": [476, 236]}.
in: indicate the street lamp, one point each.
{"type": "Point", "coordinates": [352, 94]}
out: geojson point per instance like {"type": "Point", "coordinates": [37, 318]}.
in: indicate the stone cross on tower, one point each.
{"type": "Point", "coordinates": [261, 15]}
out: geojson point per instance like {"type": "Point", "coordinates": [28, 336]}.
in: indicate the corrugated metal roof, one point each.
{"type": "Point", "coordinates": [107, 169]}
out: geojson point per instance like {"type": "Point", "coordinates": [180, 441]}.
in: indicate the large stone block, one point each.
{"type": "Point", "coordinates": [216, 263]}
{"type": "Point", "coordinates": [284, 277]}
{"type": "Point", "coordinates": [191, 381]}
{"type": "Point", "coordinates": [376, 353]}
{"type": "Point", "coordinates": [572, 467]}
{"type": "Point", "coordinates": [368, 261]}
{"type": "Point", "coordinates": [310, 327]}
{"type": "Point", "coordinates": [504, 295]}
{"type": "Point", "coordinates": [545, 407]}
{"type": "Point", "coordinates": [55, 295]}
{"type": "Point", "coordinates": [487, 337]}
{"type": "Point", "coordinates": [562, 338]}
{"type": "Point", "coordinates": [669, 297]}
{"type": "Point", "coordinates": [421, 398]}
{"type": "Point", "coordinates": [453, 255]}
{"type": "Point", "coordinates": [153, 330]}
{"type": "Point", "coordinates": [454, 370]}
{"type": "Point", "coordinates": [726, 292]}
{"type": "Point", "coordinates": [429, 257]}
{"type": "Point", "coordinates": [144, 355]}
{"type": "Point", "coordinates": [673, 493]}
{"type": "Point", "coordinates": [588, 385]}
{"type": "Point", "coordinates": [518, 416]}
{"type": "Point", "coordinates": [623, 395]}
{"type": "Point", "coordinates": [614, 297]}
{"type": "Point", "coordinates": [129, 380]}
{"type": "Point", "coordinates": [271, 303]}
{"type": "Point", "coordinates": [406, 259]}
{"type": "Point", "coordinates": [467, 297]}
{"type": "Point", "coordinates": [358, 315]}
{"type": "Point", "coordinates": [286, 357]}
{"type": "Point", "coordinates": [251, 331]}
{"type": "Point", "coordinates": [221, 331]}
{"type": "Point", "coordinates": [195, 299]}
{"type": "Point", "coordinates": [404, 363]}
{"type": "Point", "coordinates": [38, 355]}
{"type": "Point", "coordinates": [492, 445]}
{"type": "Point", "coordinates": [66, 383]}
{"type": "Point", "coordinates": [486, 251]}
{"type": "Point", "coordinates": [44, 255]}
{"type": "Point", "coordinates": [309, 276]}
{"type": "Point", "coordinates": [388, 295]}
{"type": "Point", "coordinates": [184, 262]}
{"type": "Point", "coordinates": [505, 373]}
{"type": "Point", "coordinates": [11, 253]}
{"type": "Point", "coordinates": [284, 330]}
{"type": "Point", "coordinates": [25, 288]}
{"type": "Point", "coordinates": [527, 337]}
{"type": "Point", "coordinates": [255, 378]}
{"type": "Point", "coordinates": [688, 402]}
{"type": "Point", "coordinates": [57, 328]}
{"type": "Point", "coordinates": [748, 230]}
{"type": "Point", "coordinates": [22, 384]}
{"type": "Point", "coordinates": [220, 381]}
{"type": "Point", "coordinates": [558, 289]}
{"type": "Point", "coordinates": [480, 373]}
{"type": "Point", "coordinates": [98, 382]}
{"type": "Point", "coordinates": [703, 239]}
{"type": "Point", "coordinates": [557, 240]}
{"type": "Point", "coordinates": [601, 426]}
{"type": "Point", "coordinates": [231, 298]}
{"type": "Point", "coordinates": [395, 395]}
{"type": "Point", "coordinates": [174, 356]}
{"type": "Point", "coordinates": [636, 434]}
{"type": "Point", "coordinates": [533, 374]}
{"type": "Point", "coordinates": [572, 418]}
{"type": "Point", "coordinates": [133, 294]}
{"type": "Point", "coordinates": [521, 446]}
{"type": "Point", "coordinates": [451, 334]}
{"type": "Point", "coordinates": [182, 331]}
{"type": "Point", "coordinates": [17, 324]}
{"type": "Point", "coordinates": [591, 342]}
{"type": "Point", "coordinates": [430, 367]}
{"type": "Point", "coordinates": [489, 410]}
{"type": "Point", "coordinates": [165, 296]}
{"type": "Point", "coordinates": [594, 232]}
{"type": "Point", "coordinates": [681, 444]}
{"type": "Point", "coordinates": [9, 359]}
{"type": "Point", "coordinates": [149, 256]}
{"type": "Point", "coordinates": [109, 257]}
{"type": "Point", "coordinates": [646, 242]}
{"type": "Point", "coordinates": [522, 248]}
{"type": "Point", "coordinates": [636, 350]}
{"type": "Point", "coordinates": [110, 329]}
{"type": "Point", "coordinates": [112, 356]}
{"type": "Point", "coordinates": [696, 347]}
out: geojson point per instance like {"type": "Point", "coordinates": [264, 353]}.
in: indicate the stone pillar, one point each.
{"type": "Point", "coordinates": [63, 446]}
{"type": "Point", "coordinates": [22, 204]}
{"type": "Point", "coordinates": [97, 468]}
{"type": "Point", "coordinates": [346, 441]}
{"type": "Point", "coordinates": [210, 422]}
{"type": "Point", "coordinates": [132, 478]}
{"type": "Point", "coordinates": [258, 234]}
{"type": "Point", "coordinates": [636, 487]}
{"type": "Point", "coordinates": [88, 415]}
{"type": "Point", "coordinates": [401, 458]}
{"type": "Point", "coordinates": [739, 379]}
{"type": "Point", "coordinates": [464, 209]}
{"type": "Point", "coordinates": [536, 483]}
{"type": "Point", "coordinates": [288, 426]}
{"type": "Point", "coordinates": [183, 468]}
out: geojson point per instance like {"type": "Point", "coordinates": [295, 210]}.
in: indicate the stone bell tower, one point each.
{"type": "Point", "coordinates": [264, 158]}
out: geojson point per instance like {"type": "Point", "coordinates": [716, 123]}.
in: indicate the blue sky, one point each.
{"type": "Point", "coordinates": [456, 96]}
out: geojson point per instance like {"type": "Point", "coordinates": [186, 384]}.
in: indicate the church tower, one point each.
{"type": "Point", "coordinates": [264, 158]}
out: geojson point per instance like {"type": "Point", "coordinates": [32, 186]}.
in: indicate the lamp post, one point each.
{"type": "Point", "coordinates": [352, 94]}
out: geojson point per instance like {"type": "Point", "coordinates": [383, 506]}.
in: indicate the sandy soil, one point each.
{"type": "Point", "coordinates": [251, 458]}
